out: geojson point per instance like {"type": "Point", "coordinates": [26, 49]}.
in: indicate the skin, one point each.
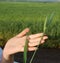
{"type": "Point", "coordinates": [17, 43]}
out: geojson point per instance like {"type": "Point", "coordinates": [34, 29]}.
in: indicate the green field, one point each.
{"type": "Point", "coordinates": [14, 17]}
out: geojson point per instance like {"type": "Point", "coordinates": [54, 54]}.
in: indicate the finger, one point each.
{"type": "Point", "coordinates": [23, 32]}
{"type": "Point", "coordinates": [45, 37]}
{"type": "Point", "coordinates": [29, 49]}
{"type": "Point", "coordinates": [34, 40]}
{"type": "Point", "coordinates": [42, 41]}
{"type": "Point", "coordinates": [32, 48]}
{"type": "Point", "coordinates": [38, 39]}
{"type": "Point", "coordinates": [35, 35]}
{"type": "Point", "coordinates": [35, 43]}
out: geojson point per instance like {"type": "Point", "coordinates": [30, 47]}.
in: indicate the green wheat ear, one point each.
{"type": "Point", "coordinates": [44, 30]}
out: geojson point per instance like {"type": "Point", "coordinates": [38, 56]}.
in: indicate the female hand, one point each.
{"type": "Point", "coordinates": [16, 44]}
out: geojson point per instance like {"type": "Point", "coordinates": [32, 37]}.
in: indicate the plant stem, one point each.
{"type": "Point", "coordinates": [44, 29]}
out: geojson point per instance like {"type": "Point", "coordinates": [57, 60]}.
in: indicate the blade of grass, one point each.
{"type": "Point", "coordinates": [25, 51]}
{"type": "Point", "coordinates": [26, 48]}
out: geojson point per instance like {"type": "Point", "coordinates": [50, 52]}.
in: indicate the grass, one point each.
{"type": "Point", "coordinates": [14, 17]}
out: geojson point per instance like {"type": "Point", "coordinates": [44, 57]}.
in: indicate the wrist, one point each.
{"type": "Point", "coordinates": [5, 55]}
{"type": "Point", "coordinates": [6, 58]}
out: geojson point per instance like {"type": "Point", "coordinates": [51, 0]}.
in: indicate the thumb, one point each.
{"type": "Point", "coordinates": [24, 32]}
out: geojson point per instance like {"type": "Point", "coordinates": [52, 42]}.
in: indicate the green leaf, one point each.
{"type": "Point", "coordinates": [25, 51]}
{"type": "Point", "coordinates": [26, 48]}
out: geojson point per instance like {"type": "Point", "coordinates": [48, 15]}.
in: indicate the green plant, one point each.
{"type": "Point", "coordinates": [46, 24]}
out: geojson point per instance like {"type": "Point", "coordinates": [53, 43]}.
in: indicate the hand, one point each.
{"type": "Point", "coordinates": [16, 44]}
